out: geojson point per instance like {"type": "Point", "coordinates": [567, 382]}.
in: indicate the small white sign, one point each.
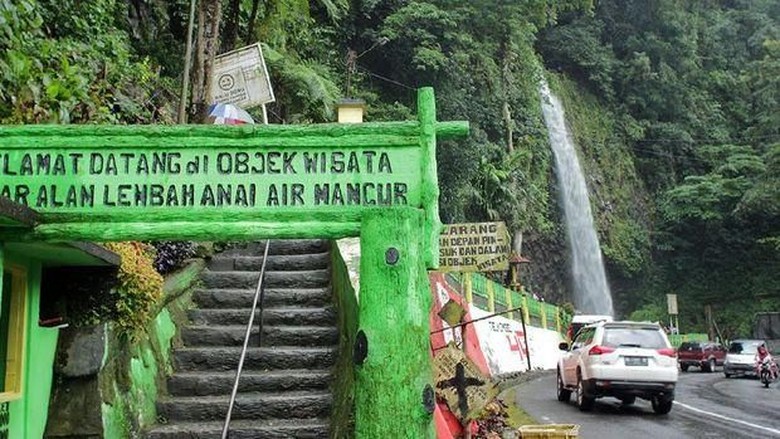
{"type": "Point", "coordinates": [671, 304]}
{"type": "Point", "coordinates": [241, 78]}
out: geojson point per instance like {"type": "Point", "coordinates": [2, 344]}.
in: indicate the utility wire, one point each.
{"type": "Point", "coordinates": [384, 78]}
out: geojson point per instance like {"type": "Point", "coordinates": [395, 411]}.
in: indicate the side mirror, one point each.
{"type": "Point", "coordinates": [563, 346]}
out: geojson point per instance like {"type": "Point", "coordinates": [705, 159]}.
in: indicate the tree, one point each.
{"type": "Point", "coordinates": [209, 20]}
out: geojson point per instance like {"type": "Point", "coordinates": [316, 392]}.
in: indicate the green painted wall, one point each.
{"type": "Point", "coordinates": [345, 300]}
{"type": "Point", "coordinates": [28, 414]}
{"type": "Point", "coordinates": [135, 371]}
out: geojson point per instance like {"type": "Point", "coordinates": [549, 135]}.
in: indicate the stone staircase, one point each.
{"type": "Point", "coordinates": [284, 390]}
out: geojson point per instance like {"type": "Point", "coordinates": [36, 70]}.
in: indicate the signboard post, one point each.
{"type": "Point", "coordinates": [474, 247]}
{"type": "Point", "coordinates": [671, 304]}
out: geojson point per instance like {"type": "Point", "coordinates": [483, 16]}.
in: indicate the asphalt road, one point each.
{"type": "Point", "coordinates": [707, 405]}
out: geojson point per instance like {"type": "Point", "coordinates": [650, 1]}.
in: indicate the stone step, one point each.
{"type": "Point", "coordinates": [221, 383]}
{"type": "Point", "coordinates": [278, 247]}
{"type": "Point", "coordinates": [226, 358]}
{"type": "Point", "coordinates": [269, 429]}
{"type": "Point", "coordinates": [253, 406]}
{"type": "Point", "coordinates": [319, 316]}
{"type": "Point", "coordinates": [209, 335]}
{"type": "Point", "coordinates": [242, 298]}
{"type": "Point", "coordinates": [312, 261]}
{"type": "Point", "coordinates": [273, 279]}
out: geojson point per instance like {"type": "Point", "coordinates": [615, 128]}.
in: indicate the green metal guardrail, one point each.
{"type": "Point", "coordinates": [499, 298]}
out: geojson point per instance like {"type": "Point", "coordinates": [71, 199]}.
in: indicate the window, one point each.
{"type": "Point", "coordinates": [12, 318]}
{"type": "Point", "coordinates": [648, 338]}
{"type": "Point", "coordinates": [744, 347]}
{"type": "Point", "coordinates": [690, 346]}
{"type": "Point", "coordinates": [584, 337]}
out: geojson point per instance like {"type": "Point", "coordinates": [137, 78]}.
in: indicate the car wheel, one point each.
{"type": "Point", "coordinates": [564, 394]}
{"type": "Point", "coordinates": [628, 400]}
{"type": "Point", "coordinates": [684, 367]}
{"type": "Point", "coordinates": [662, 406]}
{"type": "Point", "coordinates": [726, 374]}
{"type": "Point", "coordinates": [711, 365]}
{"type": "Point", "coordinates": [584, 402]}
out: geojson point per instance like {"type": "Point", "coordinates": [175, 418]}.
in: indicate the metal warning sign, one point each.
{"type": "Point", "coordinates": [474, 247]}
{"type": "Point", "coordinates": [241, 78]}
{"type": "Point", "coordinates": [460, 383]}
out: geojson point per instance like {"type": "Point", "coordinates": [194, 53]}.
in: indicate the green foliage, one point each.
{"type": "Point", "coordinates": [651, 312]}
{"type": "Point", "coordinates": [305, 90]}
{"type": "Point", "coordinates": [139, 288]}
{"type": "Point", "coordinates": [688, 96]}
{"type": "Point", "coordinates": [77, 69]}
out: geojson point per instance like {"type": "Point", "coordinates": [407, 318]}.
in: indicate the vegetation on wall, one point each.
{"type": "Point", "coordinates": [72, 62]}
{"type": "Point", "coordinates": [140, 287]}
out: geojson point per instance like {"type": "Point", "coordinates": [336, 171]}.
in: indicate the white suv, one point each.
{"type": "Point", "coordinates": [620, 359]}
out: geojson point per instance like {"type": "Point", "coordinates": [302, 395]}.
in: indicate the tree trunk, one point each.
{"type": "Point", "coordinates": [231, 26]}
{"type": "Point", "coordinates": [506, 58]}
{"type": "Point", "coordinates": [250, 28]}
{"type": "Point", "coordinates": [209, 16]}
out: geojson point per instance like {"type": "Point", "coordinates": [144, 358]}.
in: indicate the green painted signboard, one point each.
{"type": "Point", "coordinates": [222, 182]}
{"type": "Point", "coordinates": [79, 180]}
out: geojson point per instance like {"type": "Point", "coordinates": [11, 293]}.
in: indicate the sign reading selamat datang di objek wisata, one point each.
{"type": "Point", "coordinates": [226, 178]}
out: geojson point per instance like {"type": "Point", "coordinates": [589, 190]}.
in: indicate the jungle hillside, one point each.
{"type": "Point", "coordinates": [674, 105]}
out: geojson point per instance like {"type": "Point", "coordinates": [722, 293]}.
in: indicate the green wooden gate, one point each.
{"type": "Point", "coordinates": [373, 180]}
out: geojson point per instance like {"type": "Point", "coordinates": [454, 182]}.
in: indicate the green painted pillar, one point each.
{"type": "Point", "coordinates": [394, 306]}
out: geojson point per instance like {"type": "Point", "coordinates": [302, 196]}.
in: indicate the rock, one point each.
{"type": "Point", "coordinates": [81, 351]}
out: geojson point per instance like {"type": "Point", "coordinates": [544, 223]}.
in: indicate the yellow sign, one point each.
{"type": "Point", "coordinates": [474, 247]}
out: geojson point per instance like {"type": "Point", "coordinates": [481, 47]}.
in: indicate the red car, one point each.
{"type": "Point", "coordinates": [704, 355]}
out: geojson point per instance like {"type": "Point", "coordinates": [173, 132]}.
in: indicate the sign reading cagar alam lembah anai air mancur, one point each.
{"type": "Point", "coordinates": [230, 179]}
{"type": "Point", "coordinates": [474, 247]}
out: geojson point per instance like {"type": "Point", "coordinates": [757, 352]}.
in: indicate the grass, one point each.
{"type": "Point", "coordinates": [517, 417]}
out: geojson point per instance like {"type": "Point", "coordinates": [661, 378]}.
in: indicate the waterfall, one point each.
{"type": "Point", "coordinates": [591, 291]}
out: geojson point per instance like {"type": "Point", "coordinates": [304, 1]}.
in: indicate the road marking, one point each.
{"type": "Point", "coordinates": [726, 418]}
{"type": "Point", "coordinates": [546, 419]}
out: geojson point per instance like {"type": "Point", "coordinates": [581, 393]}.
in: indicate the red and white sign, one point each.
{"type": "Point", "coordinates": [442, 292]}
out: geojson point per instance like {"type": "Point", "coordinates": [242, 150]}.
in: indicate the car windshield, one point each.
{"type": "Point", "coordinates": [649, 338]}
{"type": "Point", "coordinates": [744, 347]}
{"type": "Point", "coordinates": [690, 346]}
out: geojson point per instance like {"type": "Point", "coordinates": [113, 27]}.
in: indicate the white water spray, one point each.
{"type": "Point", "coordinates": [591, 291]}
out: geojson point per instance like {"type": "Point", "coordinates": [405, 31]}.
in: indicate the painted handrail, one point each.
{"type": "Point", "coordinates": [258, 296]}
{"type": "Point", "coordinates": [546, 315]}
